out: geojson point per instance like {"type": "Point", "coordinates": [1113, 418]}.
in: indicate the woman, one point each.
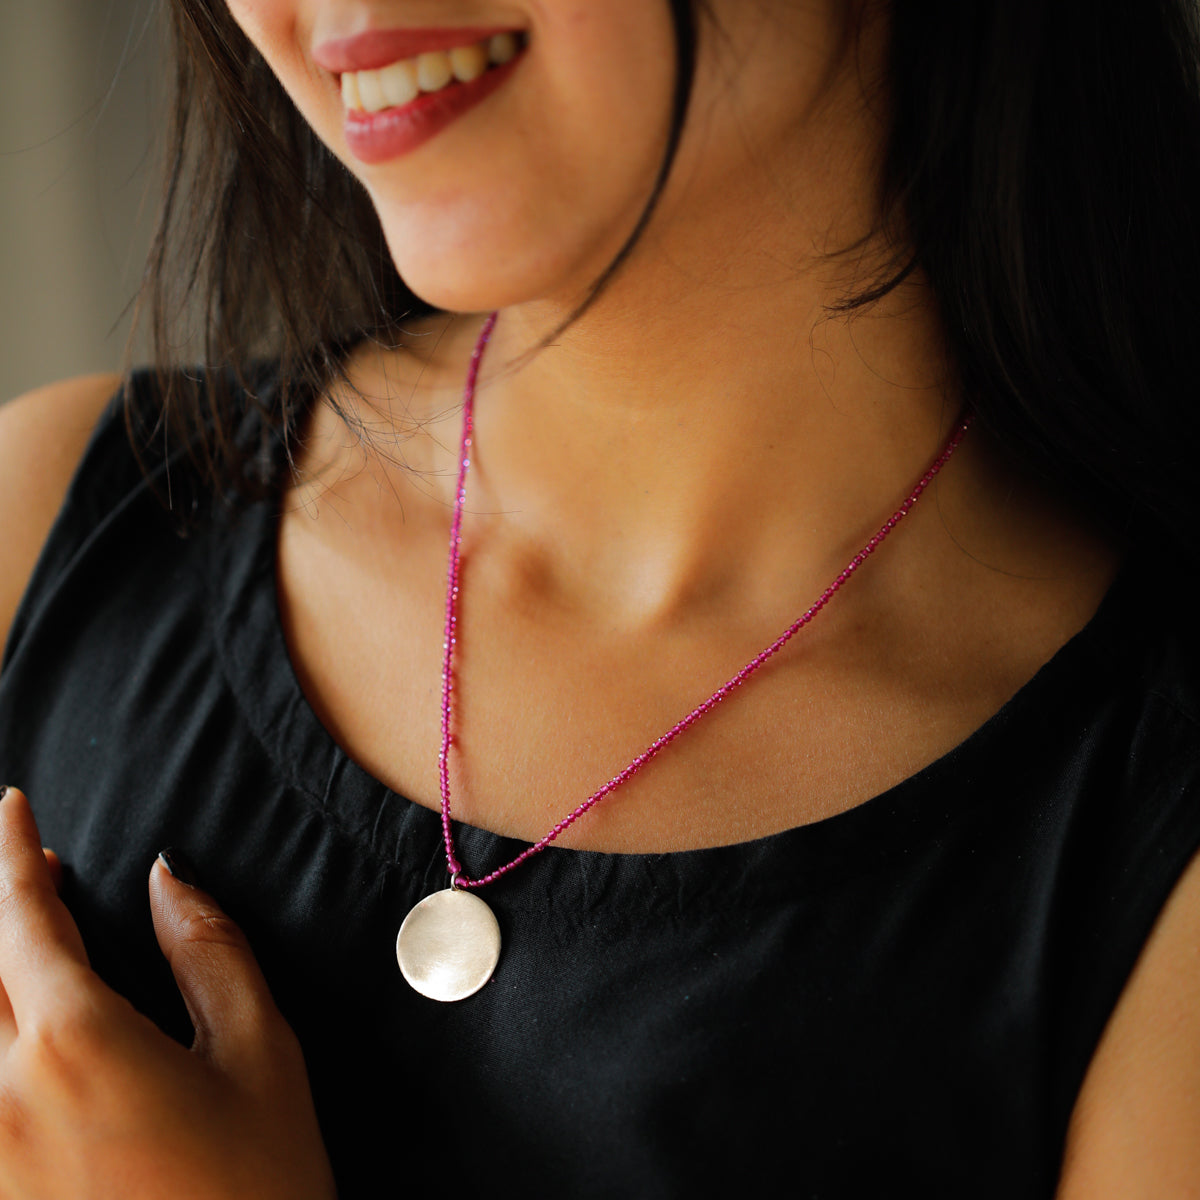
{"type": "Point", "coordinates": [912, 902]}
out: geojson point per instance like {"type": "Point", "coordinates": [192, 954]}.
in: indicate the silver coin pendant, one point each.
{"type": "Point", "coordinates": [449, 945]}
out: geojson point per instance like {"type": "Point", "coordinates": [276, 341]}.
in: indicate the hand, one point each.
{"type": "Point", "coordinates": [95, 1101]}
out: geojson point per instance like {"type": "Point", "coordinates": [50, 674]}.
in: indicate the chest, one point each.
{"type": "Point", "coordinates": [546, 709]}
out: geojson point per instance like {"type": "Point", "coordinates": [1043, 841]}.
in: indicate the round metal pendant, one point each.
{"type": "Point", "coordinates": [449, 945]}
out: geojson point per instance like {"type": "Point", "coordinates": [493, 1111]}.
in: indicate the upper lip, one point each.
{"type": "Point", "coordinates": [379, 47]}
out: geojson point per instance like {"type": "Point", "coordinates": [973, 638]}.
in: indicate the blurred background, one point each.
{"type": "Point", "coordinates": [80, 107]}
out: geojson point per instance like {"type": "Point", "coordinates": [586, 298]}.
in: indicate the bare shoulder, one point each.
{"type": "Point", "coordinates": [1135, 1131]}
{"type": "Point", "coordinates": [42, 436]}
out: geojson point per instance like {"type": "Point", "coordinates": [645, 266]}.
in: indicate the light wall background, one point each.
{"type": "Point", "coordinates": [81, 107]}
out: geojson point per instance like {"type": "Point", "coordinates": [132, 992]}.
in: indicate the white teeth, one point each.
{"type": "Point", "coordinates": [468, 62]}
{"type": "Point", "coordinates": [502, 48]}
{"type": "Point", "coordinates": [433, 71]}
{"type": "Point", "coordinates": [399, 83]}
{"type": "Point", "coordinates": [370, 91]}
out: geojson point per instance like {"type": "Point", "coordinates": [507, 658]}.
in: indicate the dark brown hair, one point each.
{"type": "Point", "coordinates": [266, 249]}
{"type": "Point", "coordinates": [1043, 164]}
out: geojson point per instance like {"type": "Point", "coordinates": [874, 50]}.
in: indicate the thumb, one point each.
{"type": "Point", "coordinates": [237, 1024]}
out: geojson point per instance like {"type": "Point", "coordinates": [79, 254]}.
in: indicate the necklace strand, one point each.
{"type": "Point", "coordinates": [457, 876]}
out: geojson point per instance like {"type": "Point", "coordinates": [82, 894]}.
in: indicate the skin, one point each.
{"type": "Point", "coordinates": [741, 430]}
{"type": "Point", "coordinates": [652, 500]}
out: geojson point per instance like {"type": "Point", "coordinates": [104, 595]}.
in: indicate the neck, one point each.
{"type": "Point", "coordinates": [675, 450]}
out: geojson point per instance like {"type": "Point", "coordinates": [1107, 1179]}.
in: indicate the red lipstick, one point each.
{"type": "Point", "coordinates": [376, 137]}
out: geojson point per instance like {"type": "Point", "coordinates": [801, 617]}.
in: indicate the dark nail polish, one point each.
{"type": "Point", "coordinates": [179, 866]}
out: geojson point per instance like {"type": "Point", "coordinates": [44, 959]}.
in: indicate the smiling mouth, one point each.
{"type": "Point", "coordinates": [400, 83]}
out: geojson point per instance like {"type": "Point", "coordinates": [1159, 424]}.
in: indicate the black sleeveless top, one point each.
{"type": "Point", "coordinates": [898, 1000]}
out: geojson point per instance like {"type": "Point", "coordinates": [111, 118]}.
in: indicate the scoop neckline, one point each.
{"type": "Point", "coordinates": [253, 650]}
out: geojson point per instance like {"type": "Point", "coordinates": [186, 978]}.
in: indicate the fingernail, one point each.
{"type": "Point", "coordinates": [178, 866]}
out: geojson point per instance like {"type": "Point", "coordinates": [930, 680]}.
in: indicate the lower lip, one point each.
{"type": "Point", "coordinates": [381, 136]}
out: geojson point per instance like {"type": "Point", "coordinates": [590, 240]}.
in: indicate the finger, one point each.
{"type": "Point", "coordinates": [237, 1024]}
{"type": "Point", "coordinates": [8, 1023]}
{"type": "Point", "coordinates": [41, 952]}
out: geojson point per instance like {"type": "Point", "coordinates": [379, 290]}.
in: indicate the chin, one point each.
{"type": "Point", "coordinates": [467, 285]}
{"type": "Point", "coordinates": [482, 271]}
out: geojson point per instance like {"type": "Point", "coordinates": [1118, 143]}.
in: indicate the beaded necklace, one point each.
{"type": "Point", "coordinates": [449, 944]}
